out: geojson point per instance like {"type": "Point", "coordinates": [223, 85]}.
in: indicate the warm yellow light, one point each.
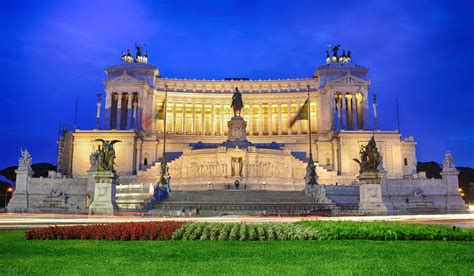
{"type": "Point", "coordinates": [462, 194]}
{"type": "Point", "coordinates": [10, 190]}
{"type": "Point", "coordinates": [460, 189]}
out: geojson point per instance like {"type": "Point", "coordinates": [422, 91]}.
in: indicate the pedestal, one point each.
{"type": "Point", "coordinates": [237, 135]}
{"type": "Point", "coordinates": [20, 199]}
{"type": "Point", "coordinates": [371, 194]}
{"type": "Point", "coordinates": [104, 193]}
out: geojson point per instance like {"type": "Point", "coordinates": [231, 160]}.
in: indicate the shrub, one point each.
{"type": "Point", "coordinates": [244, 232]}
{"type": "Point", "coordinates": [160, 230]}
{"type": "Point", "coordinates": [349, 230]}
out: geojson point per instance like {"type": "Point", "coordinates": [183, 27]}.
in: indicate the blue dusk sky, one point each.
{"type": "Point", "coordinates": [421, 52]}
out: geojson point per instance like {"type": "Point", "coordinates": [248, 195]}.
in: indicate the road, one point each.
{"type": "Point", "coordinates": [28, 221]}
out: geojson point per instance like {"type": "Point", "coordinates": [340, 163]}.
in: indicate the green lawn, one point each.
{"type": "Point", "coordinates": [59, 257]}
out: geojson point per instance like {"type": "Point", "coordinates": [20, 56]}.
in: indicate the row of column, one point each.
{"type": "Point", "coordinates": [123, 110]}
{"type": "Point", "coordinates": [349, 110]}
{"type": "Point", "coordinates": [211, 119]}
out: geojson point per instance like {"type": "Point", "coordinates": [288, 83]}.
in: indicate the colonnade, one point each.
{"type": "Point", "coordinates": [349, 110]}
{"type": "Point", "coordinates": [122, 109]}
{"type": "Point", "coordinates": [264, 118]}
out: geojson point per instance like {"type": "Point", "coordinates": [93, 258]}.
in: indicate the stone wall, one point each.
{"type": "Point", "coordinates": [50, 194]}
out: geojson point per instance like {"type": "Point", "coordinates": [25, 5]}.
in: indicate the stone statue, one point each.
{"type": "Point", "coordinates": [448, 162]}
{"type": "Point", "coordinates": [370, 157]}
{"type": "Point", "coordinates": [237, 103]}
{"type": "Point", "coordinates": [105, 155]}
{"type": "Point", "coordinates": [25, 160]}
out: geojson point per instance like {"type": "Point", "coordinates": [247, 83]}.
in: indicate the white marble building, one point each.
{"type": "Point", "coordinates": [197, 111]}
{"type": "Point", "coordinates": [200, 157]}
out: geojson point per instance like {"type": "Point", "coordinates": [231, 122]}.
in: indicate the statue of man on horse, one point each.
{"type": "Point", "coordinates": [237, 103]}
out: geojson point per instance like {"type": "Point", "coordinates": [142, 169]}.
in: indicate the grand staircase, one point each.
{"type": "Point", "coordinates": [238, 202]}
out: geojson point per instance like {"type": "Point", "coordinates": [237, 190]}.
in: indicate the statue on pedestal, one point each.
{"type": "Point", "coordinates": [237, 103]}
{"type": "Point", "coordinates": [370, 158]}
{"type": "Point", "coordinates": [103, 158]}
{"type": "Point", "coordinates": [24, 162]}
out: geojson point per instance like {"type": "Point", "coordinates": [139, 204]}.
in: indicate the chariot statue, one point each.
{"type": "Point", "coordinates": [370, 157]}
{"type": "Point", "coordinates": [103, 158]}
{"type": "Point", "coordinates": [237, 103]}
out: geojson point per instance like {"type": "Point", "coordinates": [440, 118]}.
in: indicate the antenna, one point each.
{"type": "Point", "coordinates": [75, 114]}
{"type": "Point", "coordinates": [398, 116]}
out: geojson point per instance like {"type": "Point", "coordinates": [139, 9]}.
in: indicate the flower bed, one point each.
{"type": "Point", "coordinates": [243, 232]}
{"type": "Point", "coordinates": [308, 230]}
{"type": "Point", "coordinates": [160, 230]}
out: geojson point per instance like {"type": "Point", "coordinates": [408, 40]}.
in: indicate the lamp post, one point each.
{"type": "Point", "coordinates": [9, 190]}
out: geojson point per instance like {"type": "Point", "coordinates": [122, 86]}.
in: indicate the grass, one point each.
{"type": "Point", "coordinates": [59, 257]}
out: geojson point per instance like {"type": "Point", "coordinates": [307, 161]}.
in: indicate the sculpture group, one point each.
{"type": "Point", "coordinates": [370, 157]}
{"type": "Point", "coordinates": [139, 58]}
{"type": "Point", "coordinates": [335, 58]}
{"type": "Point", "coordinates": [103, 158]}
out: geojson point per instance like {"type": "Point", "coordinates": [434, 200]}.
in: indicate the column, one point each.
{"type": "Point", "coordinates": [134, 113]}
{"type": "Point", "coordinates": [280, 125]}
{"type": "Point", "coordinates": [289, 119]}
{"type": "Point", "coordinates": [270, 119]}
{"type": "Point", "coordinates": [250, 122]}
{"type": "Point", "coordinates": [349, 111]}
{"type": "Point", "coordinates": [119, 111]}
{"type": "Point", "coordinates": [213, 130]}
{"type": "Point", "coordinates": [174, 118]}
{"type": "Point", "coordinates": [339, 111]}
{"type": "Point", "coordinates": [360, 120]}
{"type": "Point", "coordinates": [260, 123]}
{"type": "Point", "coordinates": [130, 111]}
{"type": "Point", "coordinates": [203, 113]}
{"type": "Point", "coordinates": [99, 104]}
{"type": "Point", "coordinates": [343, 114]}
{"type": "Point", "coordinates": [183, 120]}
{"type": "Point", "coordinates": [223, 123]}
{"type": "Point", "coordinates": [108, 110]}
{"type": "Point", "coordinates": [298, 123]}
{"type": "Point", "coordinates": [354, 111]}
{"type": "Point", "coordinates": [193, 124]}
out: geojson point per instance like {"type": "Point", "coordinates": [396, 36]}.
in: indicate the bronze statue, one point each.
{"type": "Point", "coordinates": [335, 49]}
{"type": "Point", "coordinates": [139, 50]}
{"type": "Point", "coordinates": [237, 103]}
{"type": "Point", "coordinates": [105, 155]}
{"type": "Point", "coordinates": [370, 157]}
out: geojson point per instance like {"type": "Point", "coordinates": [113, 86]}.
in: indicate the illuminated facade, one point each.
{"type": "Point", "coordinates": [197, 112]}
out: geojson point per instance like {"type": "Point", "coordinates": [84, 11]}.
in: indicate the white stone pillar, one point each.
{"type": "Point", "coordinates": [130, 111]}
{"type": "Point", "coordinates": [354, 111]}
{"type": "Point", "coordinates": [193, 124]}
{"type": "Point", "coordinates": [183, 119]}
{"type": "Point", "coordinates": [108, 110]}
{"type": "Point", "coordinates": [343, 115]}
{"type": "Point", "coordinates": [213, 127]}
{"type": "Point", "coordinates": [289, 119]}
{"type": "Point", "coordinates": [298, 123]}
{"type": "Point", "coordinates": [119, 111]}
{"type": "Point", "coordinates": [174, 118]}
{"type": "Point", "coordinates": [270, 119]}
{"type": "Point", "coordinates": [349, 117]}
{"type": "Point", "coordinates": [203, 119]}
{"type": "Point", "coordinates": [251, 119]}
{"type": "Point", "coordinates": [223, 123]}
{"type": "Point", "coordinates": [280, 125]}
